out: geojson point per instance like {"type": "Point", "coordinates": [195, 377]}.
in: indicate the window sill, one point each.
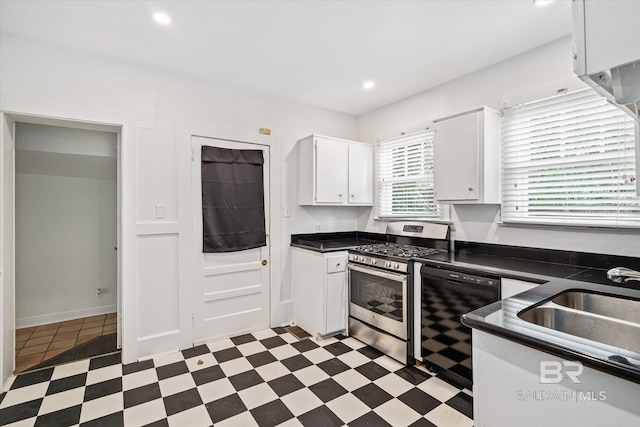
{"type": "Point", "coordinates": [398, 219]}
{"type": "Point", "coordinates": [570, 227]}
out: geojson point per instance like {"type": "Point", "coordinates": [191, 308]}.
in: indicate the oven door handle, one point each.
{"type": "Point", "coordinates": [375, 272]}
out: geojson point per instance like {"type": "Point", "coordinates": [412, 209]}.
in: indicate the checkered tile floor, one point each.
{"type": "Point", "coordinates": [445, 341]}
{"type": "Point", "coordinates": [266, 378]}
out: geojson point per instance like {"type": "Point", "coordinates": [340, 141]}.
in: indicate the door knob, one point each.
{"type": "Point", "coordinates": [264, 262]}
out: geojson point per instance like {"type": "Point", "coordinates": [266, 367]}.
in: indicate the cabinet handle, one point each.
{"type": "Point", "coordinates": [470, 188]}
{"type": "Point", "coordinates": [339, 195]}
{"type": "Point", "coordinates": [352, 195]}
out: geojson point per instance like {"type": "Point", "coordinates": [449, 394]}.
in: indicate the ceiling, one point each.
{"type": "Point", "coordinates": [312, 52]}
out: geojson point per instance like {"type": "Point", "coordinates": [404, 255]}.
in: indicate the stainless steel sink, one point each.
{"type": "Point", "coordinates": [604, 305]}
{"type": "Point", "coordinates": [601, 318]}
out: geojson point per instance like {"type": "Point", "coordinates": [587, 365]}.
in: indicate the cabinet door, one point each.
{"type": "Point", "coordinates": [335, 298]}
{"type": "Point", "coordinates": [336, 303]}
{"type": "Point", "coordinates": [511, 287]}
{"type": "Point", "coordinates": [456, 154]}
{"type": "Point", "coordinates": [361, 174]}
{"type": "Point", "coordinates": [331, 171]}
{"type": "Point", "coordinates": [611, 34]}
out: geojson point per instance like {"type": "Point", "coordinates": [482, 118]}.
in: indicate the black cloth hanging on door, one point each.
{"type": "Point", "coordinates": [232, 200]}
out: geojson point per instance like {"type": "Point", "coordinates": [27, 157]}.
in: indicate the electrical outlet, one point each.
{"type": "Point", "coordinates": [99, 292]}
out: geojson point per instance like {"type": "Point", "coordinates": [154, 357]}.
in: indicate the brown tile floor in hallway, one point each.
{"type": "Point", "coordinates": [38, 343]}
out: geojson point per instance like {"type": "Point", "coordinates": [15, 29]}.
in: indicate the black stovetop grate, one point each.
{"type": "Point", "coordinates": [396, 250]}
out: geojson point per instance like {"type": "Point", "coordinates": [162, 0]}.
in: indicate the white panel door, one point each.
{"type": "Point", "coordinates": [230, 290]}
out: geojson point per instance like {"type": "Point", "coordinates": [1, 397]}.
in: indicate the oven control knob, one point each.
{"type": "Point", "coordinates": [396, 266]}
{"type": "Point", "coordinates": [361, 258]}
{"type": "Point", "coordinates": [374, 261]}
{"type": "Point", "coordinates": [387, 264]}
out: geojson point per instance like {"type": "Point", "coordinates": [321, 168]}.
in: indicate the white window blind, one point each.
{"type": "Point", "coordinates": [569, 160]}
{"type": "Point", "coordinates": [405, 176]}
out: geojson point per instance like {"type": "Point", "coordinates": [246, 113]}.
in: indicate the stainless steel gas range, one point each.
{"type": "Point", "coordinates": [381, 285]}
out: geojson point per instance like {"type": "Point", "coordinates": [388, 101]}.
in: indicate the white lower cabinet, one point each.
{"type": "Point", "coordinates": [516, 385]}
{"type": "Point", "coordinates": [511, 287]}
{"type": "Point", "coordinates": [319, 291]}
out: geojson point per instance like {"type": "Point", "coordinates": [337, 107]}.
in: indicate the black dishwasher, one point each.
{"type": "Point", "coordinates": [446, 295]}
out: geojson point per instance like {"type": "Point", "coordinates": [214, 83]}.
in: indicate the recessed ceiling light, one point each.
{"type": "Point", "coordinates": [368, 84]}
{"type": "Point", "coordinates": [542, 2]}
{"type": "Point", "coordinates": [162, 18]}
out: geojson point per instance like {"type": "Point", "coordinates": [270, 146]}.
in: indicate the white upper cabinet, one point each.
{"type": "Point", "coordinates": [331, 166]}
{"type": "Point", "coordinates": [467, 157]}
{"type": "Point", "coordinates": [334, 172]}
{"type": "Point", "coordinates": [606, 55]}
{"type": "Point", "coordinates": [360, 173]}
{"type": "Point", "coordinates": [606, 50]}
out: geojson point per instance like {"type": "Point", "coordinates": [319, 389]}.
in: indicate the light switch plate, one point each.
{"type": "Point", "coordinates": [286, 211]}
{"type": "Point", "coordinates": [160, 211]}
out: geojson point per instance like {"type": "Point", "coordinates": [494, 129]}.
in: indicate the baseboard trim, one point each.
{"type": "Point", "coordinates": [27, 322]}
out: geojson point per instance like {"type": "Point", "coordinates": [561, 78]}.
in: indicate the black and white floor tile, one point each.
{"type": "Point", "coordinates": [266, 378]}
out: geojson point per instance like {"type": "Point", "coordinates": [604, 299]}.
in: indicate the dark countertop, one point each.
{"type": "Point", "coordinates": [522, 263]}
{"type": "Point", "coordinates": [526, 263]}
{"type": "Point", "coordinates": [344, 240]}
{"type": "Point", "coordinates": [555, 270]}
{"type": "Point", "coordinates": [501, 319]}
{"type": "Point", "coordinates": [331, 242]}
{"type": "Point", "coordinates": [331, 245]}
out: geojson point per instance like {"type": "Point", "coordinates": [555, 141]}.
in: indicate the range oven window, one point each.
{"type": "Point", "coordinates": [377, 294]}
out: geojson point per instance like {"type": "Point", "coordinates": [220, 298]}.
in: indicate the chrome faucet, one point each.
{"type": "Point", "coordinates": [623, 275]}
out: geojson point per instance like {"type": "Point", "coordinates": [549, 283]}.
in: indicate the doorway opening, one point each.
{"type": "Point", "coordinates": [67, 231]}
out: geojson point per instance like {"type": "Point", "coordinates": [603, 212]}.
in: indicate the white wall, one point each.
{"type": "Point", "coordinates": [65, 234]}
{"type": "Point", "coordinates": [535, 74]}
{"type": "Point", "coordinates": [65, 224]}
{"type": "Point", "coordinates": [43, 79]}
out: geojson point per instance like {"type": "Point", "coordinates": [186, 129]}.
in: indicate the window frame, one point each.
{"type": "Point", "coordinates": [384, 214]}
